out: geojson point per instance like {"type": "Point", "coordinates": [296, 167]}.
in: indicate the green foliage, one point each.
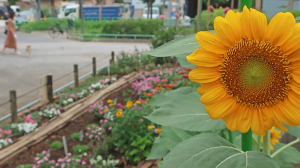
{"type": "Point", "coordinates": [130, 130]}
{"type": "Point", "coordinates": [184, 45]}
{"type": "Point", "coordinates": [140, 148]}
{"type": "Point", "coordinates": [36, 116]}
{"type": "Point", "coordinates": [186, 113]}
{"type": "Point", "coordinates": [158, 150]}
{"type": "Point", "coordinates": [184, 62]}
{"type": "Point", "coordinates": [56, 145]}
{"type": "Point", "coordinates": [25, 166]}
{"type": "Point", "coordinates": [213, 151]}
{"type": "Point", "coordinates": [296, 13]}
{"type": "Point", "coordinates": [287, 156]}
{"type": "Point", "coordinates": [162, 36]}
{"type": "Point", "coordinates": [140, 26]}
{"type": "Point", "coordinates": [80, 149]}
{"type": "Point", "coordinates": [75, 136]}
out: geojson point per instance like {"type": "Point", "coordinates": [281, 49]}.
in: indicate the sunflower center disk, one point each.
{"type": "Point", "coordinates": [256, 73]}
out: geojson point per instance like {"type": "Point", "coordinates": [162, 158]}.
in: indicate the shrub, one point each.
{"type": "Point", "coordinates": [80, 149]}
{"type": "Point", "coordinates": [56, 145]}
{"type": "Point", "coordinates": [75, 136]}
{"type": "Point", "coordinates": [25, 166]}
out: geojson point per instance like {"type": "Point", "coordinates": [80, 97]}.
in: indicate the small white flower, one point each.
{"type": "Point", "coordinates": [65, 102]}
{"type": "Point", "coordinates": [93, 161]}
{"type": "Point", "coordinates": [84, 154]}
{"type": "Point", "coordinates": [70, 100]}
{"type": "Point", "coordinates": [99, 157]}
{"type": "Point", "coordinates": [40, 113]}
{"type": "Point", "coordinates": [104, 162]}
{"type": "Point", "coordinates": [79, 150]}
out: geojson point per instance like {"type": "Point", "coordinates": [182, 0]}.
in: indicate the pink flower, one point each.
{"type": "Point", "coordinates": [211, 8]}
{"type": "Point", "coordinates": [132, 108]}
{"type": "Point", "coordinates": [86, 134]}
{"type": "Point", "coordinates": [100, 112]}
{"type": "Point", "coordinates": [91, 136]}
{"type": "Point", "coordinates": [101, 120]}
{"type": "Point", "coordinates": [68, 160]}
{"type": "Point", "coordinates": [186, 76]}
{"type": "Point", "coordinates": [73, 95]}
{"type": "Point", "coordinates": [36, 158]}
{"type": "Point", "coordinates": [83, 162]}
{"type": "Point", "coordinates": [141, 120]}
{"type": "Point", "coordinates": [141, 107]}
{"type": "Point", "coordinates": [96, 136]}
{"type": "Point", "coordinates": [40, 161]}
{"type": "Point", "coordinates": [116, 149]}
{"type": "Point", "coordinates": [109, 128]}
{"type": "Point", "coordinates": [48, 155]}
{"type": "Point", "coordinates": [90, 88]}
{"type": "Point", "coordinates": [69, 154]}
{"type": "Point", "coordinates": [99, 133]}
{"type": "Point", "coordinates": [8, 131]}
{"type": "Point", "coordinates": [57, 164]}
{"type": "Point", "coordinates": [45, 158]}
{"type": "Point", "coordinates": [226, 10]}
{"type": "Point", "coordinates": [43, 152]}
{"type": "Point", "coordinates": [105, 120]}
{"type": "Point", "coordinates": [78, 160]}
{"type": "Point", "coordinates": [90, 110]}
{"type": "Point", "coordinates": [88, 128]}
{"type": "Point", "coordinates": [164, 80]}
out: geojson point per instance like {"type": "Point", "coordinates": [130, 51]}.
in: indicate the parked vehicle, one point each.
{"type": "Point", "coordinates": [16, 9]}
{"type": "Point", "coordinates": [61, 9]}
{"type": "Point", "coordinates": [4, 12]}
{"type": "Point", "coordinates": [71, 11]}
{"type": "Point", "coordinates": [156, 12]}
{"type": "Point", "coordinates": [26, 16]}
{"type": "Point", "coordinates": [124, 11]}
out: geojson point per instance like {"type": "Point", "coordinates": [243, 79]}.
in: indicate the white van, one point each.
{"type": "Point", "coordinates": [61, 9]}
{"type": "Point", "coordinates": [16, 9]}
{"type": "Point", "coordinates": [71, 11]}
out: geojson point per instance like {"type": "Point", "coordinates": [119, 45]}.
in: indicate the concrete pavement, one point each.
{"type": "Point", "coordinates": [55, 56]}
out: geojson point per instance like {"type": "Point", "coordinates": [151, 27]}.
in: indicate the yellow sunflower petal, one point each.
{"type": "Point", "coordinates": [286, 108]}
{"type": "Point", "coordinates": [202, 57]}
{"type": "Point", "coordinates": [231, 118]}
{"type": "Point", "coordinates": [235, 20]}
{"type": "Point", "coordinates": [296, 67]}
{"type": "Point", "coordinates": [258, 24]}
{"type": "Point", "coordinates": [295, 86]}
{"type": "Point", "coordinates": [225, 32]}
{"type": "Point", "coordinates": [294, 98]}
{"type": "Point", "coordinates": [269, 113]}
{"type": "Point", "coordinates": [267, 116]}
{"type": "Point", "coordinates": [243, 119]}
{"type": "Point", "coordinates": [280, 28]}
{"type": "Point", "coordinates": [246, 23]}
{"type": "Point", "coordinates": [214, 95]}
{"type": "Point", "coordinates": [205, 87]}
{"type": "Point", "coordinates": [221, 108]}
{"type": "Point", "coordinates": [294, 56]}
{"type": "Point", "coordinates": [271, 147]}
{"type": "Point", "coordinates": [210, 42]}
{"type": "Point", "coordinates": [204, 74]}
{"type": "Point", "coordinates": [292, 44]}
{"type": "Point", "coordinates": [256, 122]}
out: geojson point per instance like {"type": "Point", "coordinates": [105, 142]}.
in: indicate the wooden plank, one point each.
{"type": "Point", "coordinates": [36, 136]}
{"type": "Point", "coordinates": [141, 162]}
{"type": "Point", "coordinates": [148, 163]}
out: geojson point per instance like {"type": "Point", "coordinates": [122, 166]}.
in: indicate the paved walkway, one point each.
{"type": "Point", "coordinates": [55, 56]}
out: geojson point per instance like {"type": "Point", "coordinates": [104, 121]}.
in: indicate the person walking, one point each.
{"type": "Point", "coordinates": [11, 41]}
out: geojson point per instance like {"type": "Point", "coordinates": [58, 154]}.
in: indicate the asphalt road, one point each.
{"type": "Point", "coordinates": [55, 56]}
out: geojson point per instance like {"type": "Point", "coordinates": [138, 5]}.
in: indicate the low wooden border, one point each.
{"type": "Point", "coordinates": [53, 125]}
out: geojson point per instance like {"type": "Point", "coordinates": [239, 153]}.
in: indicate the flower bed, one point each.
{"type": "Point", "coordinates": [118, 126]}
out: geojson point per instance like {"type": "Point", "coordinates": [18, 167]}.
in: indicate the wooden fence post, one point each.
{"type": "Point", "coordinates": [49, 88]}
{"type": "Point", "coordinates": [13, 106]}
{"type": "Point", "coordinates": [76, 75]}
{"type": "Point", "coordinates": [112, 60]}
{"type": "Point", "coordinates": [94, 66]}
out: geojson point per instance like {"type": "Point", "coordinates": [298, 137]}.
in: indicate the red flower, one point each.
{"type": "Point", "coordinates": [186, 76]}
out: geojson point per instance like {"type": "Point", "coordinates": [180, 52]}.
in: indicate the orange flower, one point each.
{"type": "Point", "coordinates": [105, 110]}
{"type": "Point", "coordinates": [144, 93]}
{"type": "Point", "coordinates": [171, 85]}
{"type": "Point", "coordinates": [138, 102]}
{"type": "Point", "coordinates": [186, 83]}
{"type": "Point", "coordinates": [149, 84]}
{"type": "Point", "coordinates": [150, 127]}
{"type": "Point", "coordinates": [132, 126]}
{"type": "Point", "coordinates": [188, 69]}
{"type": "Point", "coordinates": [146, 100]}
{"type": "Point", "coordinates": [164, 85]}
{"type": "Point", "coordinates": [161, 88]}
{"type": "Point", "coordinates": [157, 88]}
{"type": "Point", "coordinates": [149, 94]}
{"type": "Point", "coordinates": [119, 113]}
{"type": "Point", "coordinates": [158, 130]}
{"type": "Point", "coordinates": [169, 88]}
{"type": "Point", "coordinates": [158, 85]}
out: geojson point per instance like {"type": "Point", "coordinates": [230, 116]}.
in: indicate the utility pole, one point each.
{"type": "Point", "coordinates": [169, 12]}
{"type": "Point", "coordinates": [81, 15]}
{"type": "Point", "coordinates": [199, 15]}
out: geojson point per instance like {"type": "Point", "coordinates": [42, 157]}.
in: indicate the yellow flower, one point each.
{"type": "Point", "coordinates": [109, 101]}
{"type": "Point", "coordinates": [138, 102]}
{"type": "Point", "coordinates": [249, 71]}
{"type": "Point", "coordinates": [158, 130]}
{"type": "Point", "coordinates": [129, 104]}
{"type": "Point", "coordinates": [150, 127]}
{"type": "Point", "coordinates": [110, 104]}
{"type": "Point", "coordinates": [119, 114]}
{"type": "Point", "coordinates": [105, 110]}
{"type": "Point", "coordinates": [275, 134]}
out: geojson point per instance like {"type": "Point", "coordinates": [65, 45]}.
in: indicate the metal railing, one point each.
{"type": "Point", "coordinates": [117, 35]}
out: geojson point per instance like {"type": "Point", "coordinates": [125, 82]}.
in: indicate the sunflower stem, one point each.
{"type": "Point", "coordinates": [230, 136]}
{"type": "Point", "coordinates": [247, 3]}
{"type": "Point", "coordinates": [266, 143]}
{"type": "Point", "coordinates": [247, 141]}
{"type": "Point", "coordinates": [258, 143]}
{"type": "Point", "coordinates": [284, 147]}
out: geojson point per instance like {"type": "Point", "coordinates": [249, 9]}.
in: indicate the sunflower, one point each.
{"type": "Point", "coordinates": [249, 71]}
{"type": "Point", "coordinates": [275, 134]}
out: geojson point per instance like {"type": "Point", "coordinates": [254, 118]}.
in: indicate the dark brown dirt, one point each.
{"type": "Point", "coordinates": [77, 125]}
